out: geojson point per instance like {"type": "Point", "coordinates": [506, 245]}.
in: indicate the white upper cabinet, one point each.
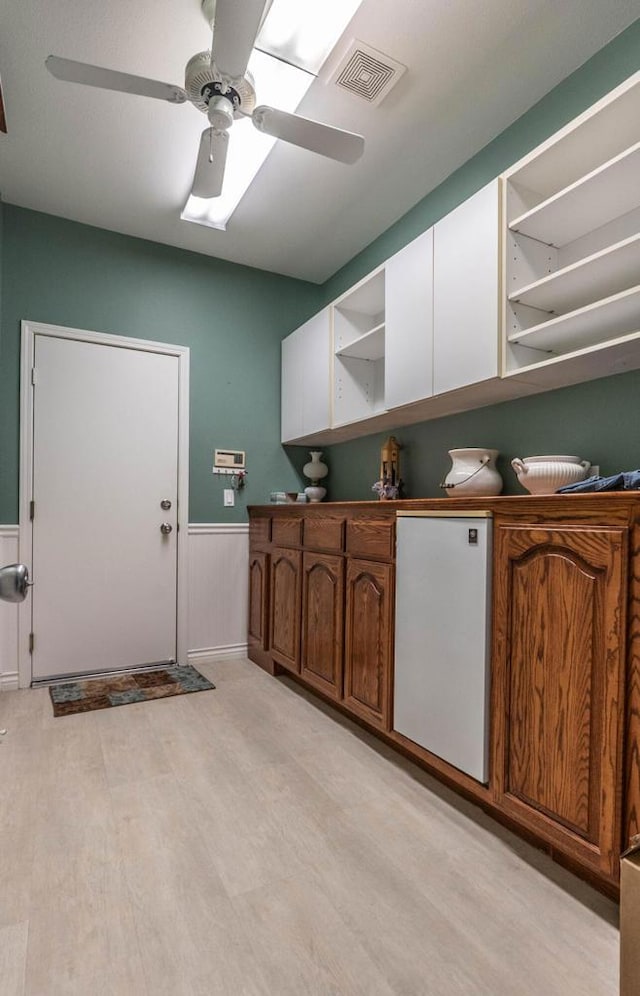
{"type": "Point", "coordinates": [572, 248]}
{"type": "Point", "coordinates": [532, 283]}
{"type": "Point", "coordinates": [408, 375]}
{"type": "Point", "coordinates": [306, 376]}
{"type": "Point", "coordinates": [465, 292]}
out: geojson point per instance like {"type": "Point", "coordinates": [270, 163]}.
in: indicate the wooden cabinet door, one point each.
{"type": "Point", "coordinates": [285, 607]}
{"type": "Point", "coordinates": [258, 602]}
{"type": "Point", "coordinates": [368, 654]}
{"type": "Point", "coordinates": [323, 622]}
{"type": "Point", "coordinates": [559, 622]}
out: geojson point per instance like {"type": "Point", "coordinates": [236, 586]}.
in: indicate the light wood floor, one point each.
{"type": "Point", "coordinates": [245, 842]}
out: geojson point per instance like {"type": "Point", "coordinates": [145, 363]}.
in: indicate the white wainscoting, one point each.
{"type": "Point", "coordinates": [8, 614]}
{"type": "Point", "coordinates": [218, 590]}
{"type": "Point", "coordinates": [218, 596]}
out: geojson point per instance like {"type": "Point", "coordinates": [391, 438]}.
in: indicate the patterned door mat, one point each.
{"type": "Point", "coordinates": [103, 693]}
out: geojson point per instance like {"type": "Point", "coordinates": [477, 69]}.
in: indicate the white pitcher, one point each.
{"type": "Point", "coordinates": [473, 474]}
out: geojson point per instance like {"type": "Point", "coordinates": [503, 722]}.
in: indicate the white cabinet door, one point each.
{"type": "Point", "coordinates": [465, 293]}
{"type": "Point", "coordinates": [306, 379]}
{"type": "Point", "coordinates": [408, 374]}
{"type": "Point", "coordinates": [291, 387]}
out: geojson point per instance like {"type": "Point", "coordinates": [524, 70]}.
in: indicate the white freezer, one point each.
{"type": "Point", "coordinates": [443, 589]}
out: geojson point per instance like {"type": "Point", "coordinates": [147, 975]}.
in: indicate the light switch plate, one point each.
{"type": "Point", "coordinates": [229, 497]}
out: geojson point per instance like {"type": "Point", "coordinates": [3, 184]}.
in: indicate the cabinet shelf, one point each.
{"type": "Point", "coordinates": [606, 193]}
{"type": "Point", "coordinates": [596, 276]}
{"type": "Point", "coordinates": [369, 346]}
{"type": "Point", "coordinates": [613, 316]}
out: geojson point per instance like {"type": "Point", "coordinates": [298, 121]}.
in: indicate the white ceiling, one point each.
{"type": "Point", "coordinates": [126, 163]}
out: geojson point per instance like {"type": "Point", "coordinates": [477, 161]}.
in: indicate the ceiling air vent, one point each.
{"type": "Point", "coordinates": [367, 73]}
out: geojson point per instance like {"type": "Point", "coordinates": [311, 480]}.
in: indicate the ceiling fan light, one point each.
{"type": "Point", "coordinates": [220, 113]}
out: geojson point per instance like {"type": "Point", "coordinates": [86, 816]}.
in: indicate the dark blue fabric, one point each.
{"type": "Point", "coordinates": [629, 480]}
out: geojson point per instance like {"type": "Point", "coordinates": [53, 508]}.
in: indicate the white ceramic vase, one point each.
{"type": "Point", "coordinates": [315, 470]}
{"type": "Point", "coordinates": [473, 474]}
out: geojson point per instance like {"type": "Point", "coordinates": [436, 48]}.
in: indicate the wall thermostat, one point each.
{"type": "Point", "coordinates": [229, 458]}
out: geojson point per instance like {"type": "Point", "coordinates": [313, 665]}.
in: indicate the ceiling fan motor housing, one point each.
{"type": "Point", "coordinates": [203, 82]}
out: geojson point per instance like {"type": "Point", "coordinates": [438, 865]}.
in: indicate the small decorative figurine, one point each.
{"type": "Point", "coordinates": [390, 484]}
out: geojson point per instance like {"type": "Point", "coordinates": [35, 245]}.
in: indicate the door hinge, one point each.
{"type": "Point", "coordinates": [30, 643]}
{"type": "Point", "coordinates": [34, 375]}
{"type": "Point", "coordinates": [32, 510]}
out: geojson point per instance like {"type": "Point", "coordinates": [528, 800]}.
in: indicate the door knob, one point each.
{"type": "Point", "coordinates": [14, 581]}
{"type": "Point", "coordinates": [166, 528]}
{"type": "Point", "coordinates": [165, 504]}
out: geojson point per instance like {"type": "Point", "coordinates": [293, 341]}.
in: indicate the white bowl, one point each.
{"type": "Point", "coordinates": [543, 475]}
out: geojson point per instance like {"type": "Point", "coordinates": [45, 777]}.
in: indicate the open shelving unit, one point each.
{"type": "Point", "coordinates": [571, 245]}
{"type": "Point", "coordinates": [607, 319]}
{"type": "Point", "coordinates": [604, 194]}
{"type": "Point", "coordinates": [358, 350]}
{"type": "Point", "coordinates": [604, 272]}
{"type": "Point", "coordinates": [369, 346]}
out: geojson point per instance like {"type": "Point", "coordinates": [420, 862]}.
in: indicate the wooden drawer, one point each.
{"type": "Point", "coordinates": [287, 532]}
{"type": "Point", "coordinates": [371, 538]}
{"type": "Point", "coordinates": [259, 531]}
{"type": "Point", "coordinates": [324, 534]}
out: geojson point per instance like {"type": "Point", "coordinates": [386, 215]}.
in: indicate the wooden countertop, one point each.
{"type": "Point", "coordinates": [612, 504]}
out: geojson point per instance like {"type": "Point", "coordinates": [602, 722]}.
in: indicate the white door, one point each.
{"type": "Point", "coordinates": [105, 455]}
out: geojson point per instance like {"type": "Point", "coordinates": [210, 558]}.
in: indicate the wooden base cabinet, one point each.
{"type": "Point", "coordinates": [286, 569]}
{"type": "Point", "coordinates": [258, 628]}
{"type": "Point", "coordinates": [558, 686]}
{"type": "Point", "coordinates": [565, 651]}
{"type": "Point", "coordinates": [368, 641]}
{"type": "Point", "coordinates": [322, 622]}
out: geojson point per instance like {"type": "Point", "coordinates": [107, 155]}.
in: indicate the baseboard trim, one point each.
{"type": "Point", "coordinates": [9, 681]}
{"type": "Point", "coordinates": [211, 654]}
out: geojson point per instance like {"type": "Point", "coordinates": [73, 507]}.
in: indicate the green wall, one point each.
{"type": "Point", "coordinates": [232, 318]}
{"type": "Point", "coordinates": [597, 421]}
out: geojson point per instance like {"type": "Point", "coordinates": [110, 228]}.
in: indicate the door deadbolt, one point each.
{"type": "Point", "coordinates": [166, 528]}
{"type": "Point", "coordinates": [165, 504]}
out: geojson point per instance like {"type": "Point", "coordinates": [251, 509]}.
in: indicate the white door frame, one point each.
{"type": "Point", "coordinates": [29, 331]}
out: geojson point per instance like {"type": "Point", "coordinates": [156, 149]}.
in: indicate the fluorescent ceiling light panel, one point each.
{"type": "Point", "coordinates": [302, 33]}
{"type": "Point", "coordinates": [305, 32]}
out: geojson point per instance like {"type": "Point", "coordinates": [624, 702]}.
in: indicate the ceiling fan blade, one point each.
{"type": "Point", "coordinates": [108, 79]}
{"type": "Point", "coordinates": [212, 156]}
{"type": "Point", "coordinates": [345, 146]}
{"type": "Point", "coordinates": [3, 117]}
{"type": "Point", "coordinates": [235, 28]}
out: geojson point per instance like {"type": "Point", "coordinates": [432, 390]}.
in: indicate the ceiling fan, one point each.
{"type": "Point", "coordinates": [219, 85]}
